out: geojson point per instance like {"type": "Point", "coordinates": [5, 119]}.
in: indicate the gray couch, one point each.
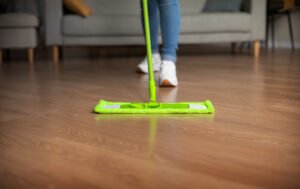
{"type": "Point", "coordinates": [18, 26]}
{"type": "Point", "coordinates": [117, 22]}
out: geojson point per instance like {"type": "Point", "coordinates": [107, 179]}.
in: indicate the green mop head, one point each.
{"type": "Point", "coordinates": [153, 107]}
{"type": "Point", "coordinates": [105, 107]}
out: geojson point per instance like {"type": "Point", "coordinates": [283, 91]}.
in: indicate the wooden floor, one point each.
{"type": "Point", "coordinates": [49, 137]}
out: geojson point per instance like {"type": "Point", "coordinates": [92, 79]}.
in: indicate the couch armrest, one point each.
{"type": "Point", "coordinates": [258, 16]}
{"type": "Point", "coordinates": [53, 18]}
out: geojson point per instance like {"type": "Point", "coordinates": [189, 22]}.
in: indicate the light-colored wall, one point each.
{"type": "Point", "coordinates": [282, 35]}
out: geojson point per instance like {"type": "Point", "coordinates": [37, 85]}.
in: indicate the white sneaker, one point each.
{"type": "Point", "coordinates": [168, 76]}
{"type": "Point", "coordinates": [143, 66]}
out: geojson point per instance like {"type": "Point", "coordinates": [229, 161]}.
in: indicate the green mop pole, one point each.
{"type": "Point", "coordinates": [152, 87]}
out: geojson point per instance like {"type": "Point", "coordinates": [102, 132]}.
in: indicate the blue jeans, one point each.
{"type": "Point", "coordinates": [166, 15]}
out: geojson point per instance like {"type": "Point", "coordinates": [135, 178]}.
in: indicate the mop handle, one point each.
{"type": "Point", "coordinates": [152, 87]}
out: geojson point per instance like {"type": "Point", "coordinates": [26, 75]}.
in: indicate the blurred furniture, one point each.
{"type": "Point", "coordinates": [18, 28]}
{"type": "Point", "coordinates": [279, 8]}
{"type": "Point", "coordinates": [117, 22]}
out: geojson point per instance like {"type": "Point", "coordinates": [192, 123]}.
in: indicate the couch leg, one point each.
{"type": "Point", "coordinates": [256, 48]}
{"type": "Point", "coordinates": [55, 51]}
{"type": "Point", "coordinates": [31, 55]}
{"type": "Point", "coordinates": [1, 56]}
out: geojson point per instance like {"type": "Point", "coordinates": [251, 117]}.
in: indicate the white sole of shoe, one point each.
{"type": "Point", "coordinates": [166, 83]}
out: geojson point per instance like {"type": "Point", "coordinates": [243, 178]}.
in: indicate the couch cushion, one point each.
{"type": "Point", "coordinates": [223, 6]}
{"type": "Point", "coordinates": [132, 7]}
{"type": "Point", "coordinates": [216, 22]}
{"type": "Point", "coordinates": [131, 25]}
{"type": "Point", "coordinates": [189, 7]}
{"type": "Point", "coordinates": [114, 7]}
{"type": "Point", "coordinates": [18, 38]}
{"type": "Point", "coordinates": [102, 25]}
{"type": "Point", "coordinates": [15, 20]}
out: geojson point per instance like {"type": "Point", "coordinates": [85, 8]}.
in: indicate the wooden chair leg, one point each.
{"type": "Point", "coordinates": [267, 33]}
{"type": "Point", "coordinates": [55, 52]}
{"type": "Point", "coordinates": [1, 56]}
{"type": "Point", "coordinates": [291, 30]}
{"type": "Point", "coordinates": [273, 32]}
{"type": "Point", "coordinates": [31, 55]}
{"type": "Point", "coordinates": [256, 48]}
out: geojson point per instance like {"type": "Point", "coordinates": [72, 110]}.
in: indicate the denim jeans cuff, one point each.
{"type": "Point", "coordinates": [155, 51]}
{"type": "Point", "coordinates": [169, 58]}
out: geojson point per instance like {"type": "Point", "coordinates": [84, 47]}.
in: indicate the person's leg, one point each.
{"type": "Point", "coordinates": [170, 25]}
{"type": "Point", "coordinates": [154, 29]}
{"type": "Point", "coordinates": [170, 28]}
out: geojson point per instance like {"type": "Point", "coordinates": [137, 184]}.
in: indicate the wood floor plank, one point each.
{"type": "Point", "coordinates": [49, 137]}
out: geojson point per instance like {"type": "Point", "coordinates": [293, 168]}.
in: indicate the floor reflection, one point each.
{"type": "Point", "coordinates": [152, 136]}
{"type": "Point", "coordinates": [122, 117]}
{"type": "Point", "coordinates": [32, 71]}
{"type": "Point", "coordinates": [57, 68]}
{"type": "Point", "coordinates": [168, 94]}
{"type": "Point", "coordinates": [153, 123]}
